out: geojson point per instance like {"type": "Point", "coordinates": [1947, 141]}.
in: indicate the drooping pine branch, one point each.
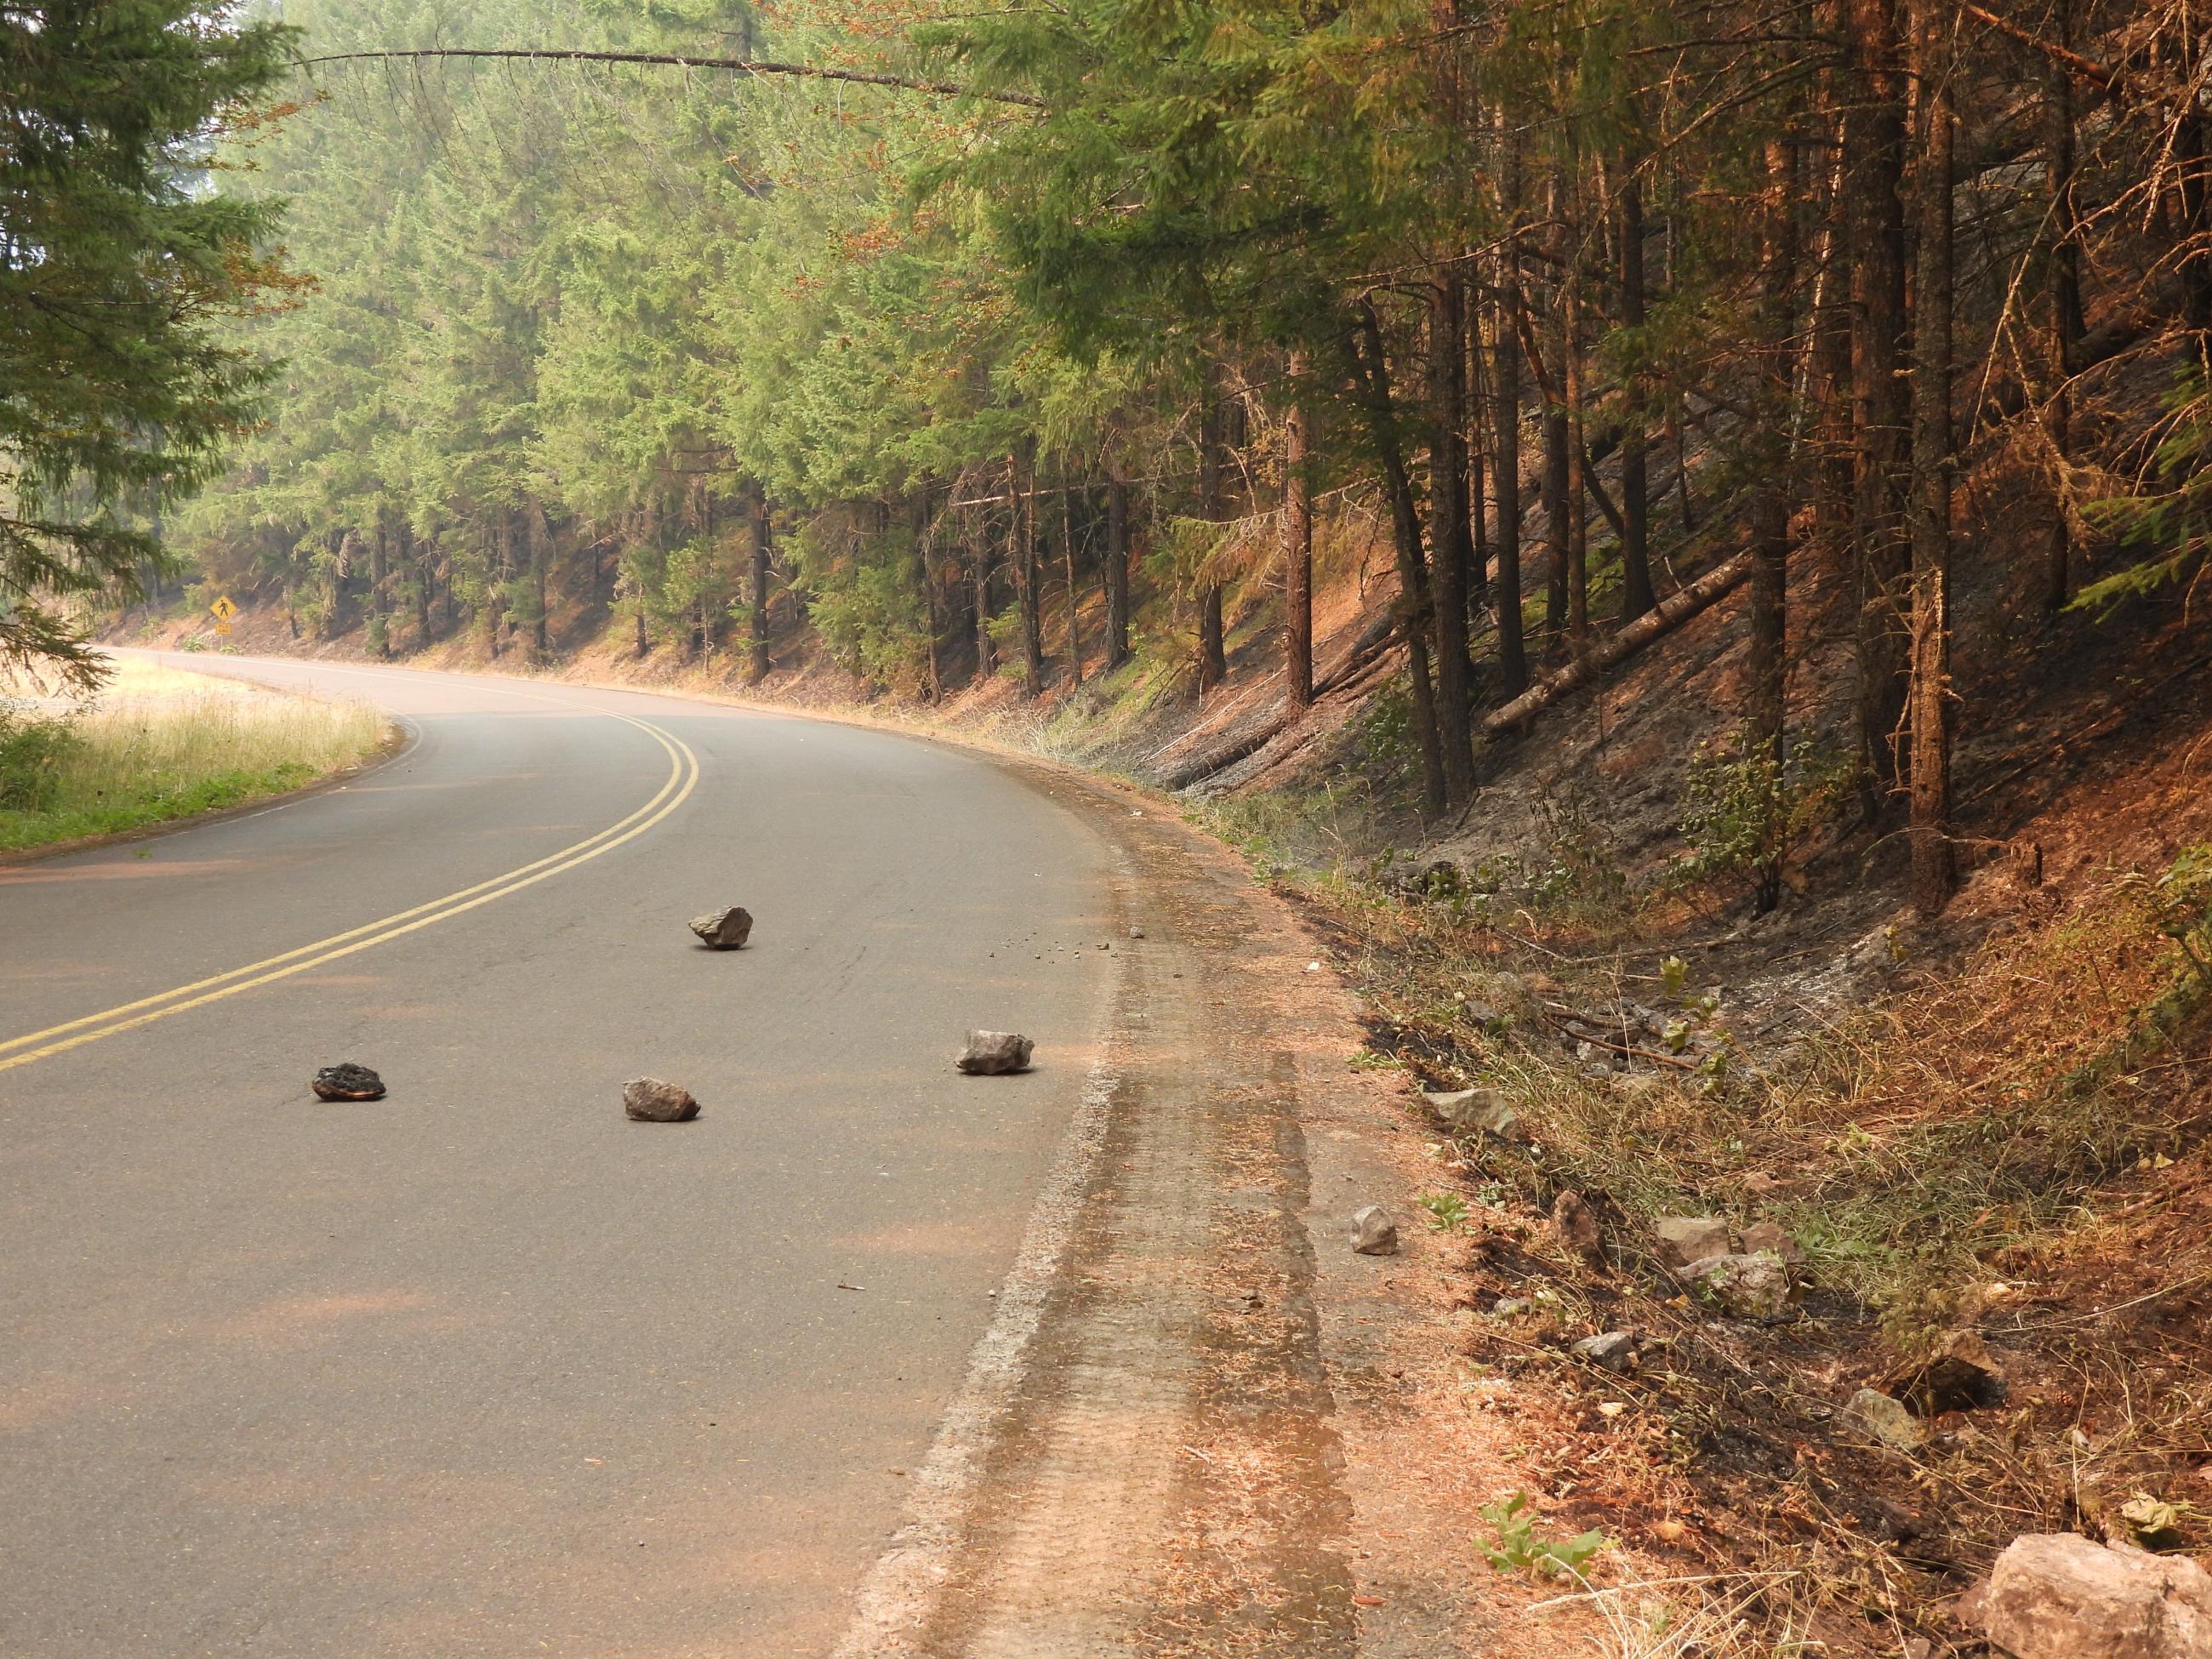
{"type": "Point", "coordinates": [746, 65]}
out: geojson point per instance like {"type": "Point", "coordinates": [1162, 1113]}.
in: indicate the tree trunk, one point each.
{"type": "Point", "coordinates": [1371, 377]}
{"type": "Point", "coordinates": [1559, 432]}
{"type": "Point", "coordinates": [1213, 644]}
{"type": "Point", "coordinates": [1635, 508]}
{"type": "Point", "coordinates": [422, 571]}
{"type": "Point", "coordinates": [2062, 279]}
{"type": "Point", "coordinates": [541, 554]}
{"type": "Point", "coordinates": [1934, 869]}
{"type": "Point", "coordinates": [1577, 488]}
{"type": "Point", "coordinates": [1067, 565]}
{"type": "Point", "coordinates": [1771, 489]}
{"type": "Point", "coordinates": [1505, 406]}
{"type": "Point", "coordinates": [379, 566]}
{"type": "Point", "coordinates": [1874, 159]}
{"type": "Point", "coordinates": [1451, 540]}
{"type": "Point", "coordinates": [1298, 547]}
{"type": "Point", "coordinates": [1024, 555]}
{"type": "Point", "coordinates": [1829, 381]}
{"type": "Point", "coordinates": [924, 544]}
{"type": "Point", "coordinates": [979, 541]}
{"type": "Point", "coordinates": [762, 550]}
{"type": "Point", "coordinates": [1117, 567]}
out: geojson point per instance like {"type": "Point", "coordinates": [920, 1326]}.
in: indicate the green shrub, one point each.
{"type": "Point", "coordinates": [1744, 814]}
{"type": "Point", "coordinates": [33, 751]}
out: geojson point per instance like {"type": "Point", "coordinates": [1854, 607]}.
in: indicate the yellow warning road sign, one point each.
{"type": "Point", "coordinates": [224, 610]}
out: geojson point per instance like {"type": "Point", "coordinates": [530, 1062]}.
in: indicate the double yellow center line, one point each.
{"type": "Point", "coordinates": [683, 778]}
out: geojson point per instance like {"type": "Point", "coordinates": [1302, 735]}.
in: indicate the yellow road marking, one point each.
{"type": "Point", "coordinates": [683, 778]}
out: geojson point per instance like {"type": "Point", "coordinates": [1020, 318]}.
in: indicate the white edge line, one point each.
{"type": "Point", "coordinates": [903, 1587]}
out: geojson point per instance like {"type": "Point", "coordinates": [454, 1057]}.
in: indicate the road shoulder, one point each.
{"type": "Point", "coordinates": [1225, 1432]}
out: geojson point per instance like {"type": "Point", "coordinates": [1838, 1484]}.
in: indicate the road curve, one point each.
{"type": "Point", "coordinates": [484, 1368]}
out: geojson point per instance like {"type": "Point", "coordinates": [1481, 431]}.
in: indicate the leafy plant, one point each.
{"type": "Point", "coordinates": [1579, 873]}
{"type": "Point", "coordinates": [1448, 1212]}
{"type": "Point", "coordinates": [1744, 813]}
{"type": "Point", "coordinates": [2180, 905]}
{"type": "Point", "coordinates": [1520, 1549]}
{"type": "Point", "coordinates": [33, 750]}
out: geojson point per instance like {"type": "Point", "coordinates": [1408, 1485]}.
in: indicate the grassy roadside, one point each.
{"type": "Point", "coordinates": [156, 745]}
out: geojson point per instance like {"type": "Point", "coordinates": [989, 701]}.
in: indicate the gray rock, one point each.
{"type": "Point", "coordinates": [723, 930]}
{"type": "Point", "coordinates": [1577, 1222]}
{"type": "Point", "coordinates": [347, 1081]}
{"type": "Point", "coordinates": [1373, 1232]}
{"type": "Point", "coordinates": [1510, 1307]}
{"type": "Point", "coordinates": [1682, 1239]}
{"type": "Point", "coordinates": [2056, 1595]}
{"type": "Point", "coordinates": [1768, 1238]}
{"type": "Point", "coordinates": [1136, 932]}
{"type": "Point", "coordinates": [994, 1054]}
{"type": "Point", "coordinates": [649, 1100]}
{"type": "Point", "coordinates": [1485, 1110]}
{"type": "Point", "coordinates": [1870, 1414]}
{"type": "Point", "coordinates": [1747, 1287]}
{"type": "Point", "coordinates": [1612, 1350]}
{"type": "Point", "coordinates": [1479, 1012]}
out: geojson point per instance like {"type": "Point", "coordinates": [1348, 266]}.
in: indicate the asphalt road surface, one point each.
{"type": "Point", "coordinates": [484, 1368]}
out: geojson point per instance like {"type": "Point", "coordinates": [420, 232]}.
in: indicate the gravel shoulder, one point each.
{"type": "Point", "coordinates": [1216, 1429]}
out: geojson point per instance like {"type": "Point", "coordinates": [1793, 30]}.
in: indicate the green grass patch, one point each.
{"type": "Point", "coordinates": [157, 746]}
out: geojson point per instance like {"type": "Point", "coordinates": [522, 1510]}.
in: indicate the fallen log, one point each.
{"type": "Point", "coordinates": [1677, 608]}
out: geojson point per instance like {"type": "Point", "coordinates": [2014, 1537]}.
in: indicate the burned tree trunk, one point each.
{"type": "Point", "coordinates": [1297, 549]}
{"type": "Point", "coordinates": [1934, 869]}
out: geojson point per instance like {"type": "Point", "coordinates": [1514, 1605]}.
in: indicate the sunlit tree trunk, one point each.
{"type": "Point", "coordinates": [1371, 372]}
{"type": "Point", "coordinates": [1074, 594]}
{"type": "Point", "coordinates": [1934, 869]}
{"type": "Point", "coordinates": [1505, 425]}
{"type": "Point", "coordinates": [1117, 567]}
{"type": "Point", "coordinates": [1873, 132]}
{"type": "Point", "coordinates": [2063, 298]}
{"type": "Point", "coordinates": [1213, 644]}
{"type": "Point", "coordinates": [1451, 541]}
{"type": "Point", "coordinates": [760, 552]}
{"type": "Point", "coordinates": [1635, 506]}
{"type": "Point", "coordinates": [1298, 547]}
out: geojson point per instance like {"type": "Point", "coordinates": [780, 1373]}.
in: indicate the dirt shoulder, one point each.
{"type": "Point", "coordinates": [1227, 1432]}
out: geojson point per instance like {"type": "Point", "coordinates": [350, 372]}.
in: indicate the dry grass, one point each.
{"type": "Point", "coordinates": [157, 743]}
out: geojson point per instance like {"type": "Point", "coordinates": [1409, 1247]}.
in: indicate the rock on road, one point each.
{"type": "Point", "coordinates": [484, 1368]}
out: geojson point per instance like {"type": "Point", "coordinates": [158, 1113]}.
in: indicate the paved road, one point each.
{"type": "Point", "coordinates": [484, 1368]}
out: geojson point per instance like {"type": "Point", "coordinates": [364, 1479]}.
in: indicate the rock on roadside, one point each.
{"type": "Point", "coordinates": [1373, 1232]}
{"type": "Point", "coordinates": [347, 1081]}
{"type": "Point", "coordinates": [994, 1054]}
{"type": "Point", "coordinates": [2056, 1595]}
{"type": "Point", "coordinates": [648, 1100]}
{"type": "Point", "coordinates": [724, 930]}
